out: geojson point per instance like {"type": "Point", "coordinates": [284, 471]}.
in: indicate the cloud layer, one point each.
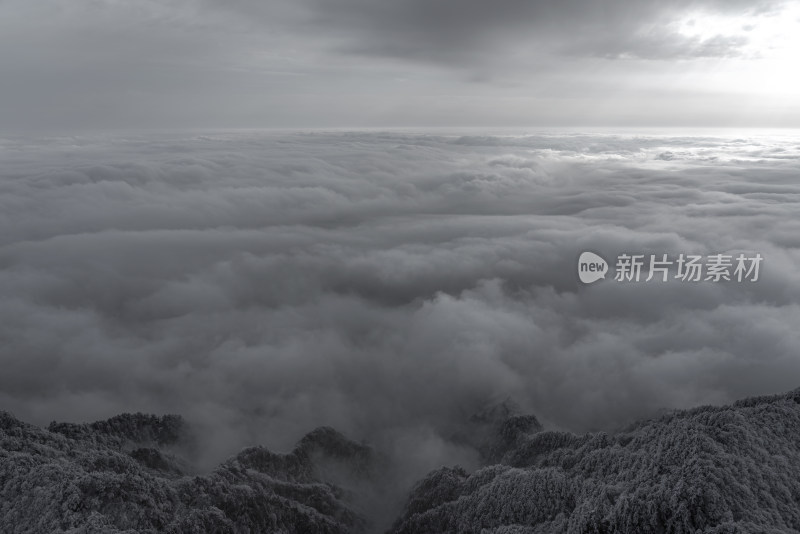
{"type": "Point", "coordinates": [387, 284]}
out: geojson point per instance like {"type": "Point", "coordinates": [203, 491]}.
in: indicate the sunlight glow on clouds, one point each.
{"type": "Point", "coordinates": [773, 34]}
{"type": "Point", "coordinates": [766, 56]}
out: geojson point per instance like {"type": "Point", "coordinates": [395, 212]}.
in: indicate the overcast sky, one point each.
{"type": "Point", "coordinates": [352, 63]}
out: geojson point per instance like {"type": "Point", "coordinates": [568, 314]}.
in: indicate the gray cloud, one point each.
{"type": "Point", "coordinates": [481, 34]}
{"type": "Point", "coordinates": [662, 44]}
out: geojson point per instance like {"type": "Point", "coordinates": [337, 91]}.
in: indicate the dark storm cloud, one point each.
{"type": "Point", "coordinates": [387, 284]}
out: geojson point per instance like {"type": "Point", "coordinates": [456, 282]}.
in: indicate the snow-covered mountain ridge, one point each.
{"type": "Point", "coordinates": [714, 470]}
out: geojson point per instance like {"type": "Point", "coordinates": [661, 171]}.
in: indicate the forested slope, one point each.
{"type": "Point", "coordinates": [731, 469]}
{"type": "Point", "coordinates": [120, 476]}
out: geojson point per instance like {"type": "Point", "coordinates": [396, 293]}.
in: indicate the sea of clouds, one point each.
{"type": "Point", "coordinates": [388, 284]}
